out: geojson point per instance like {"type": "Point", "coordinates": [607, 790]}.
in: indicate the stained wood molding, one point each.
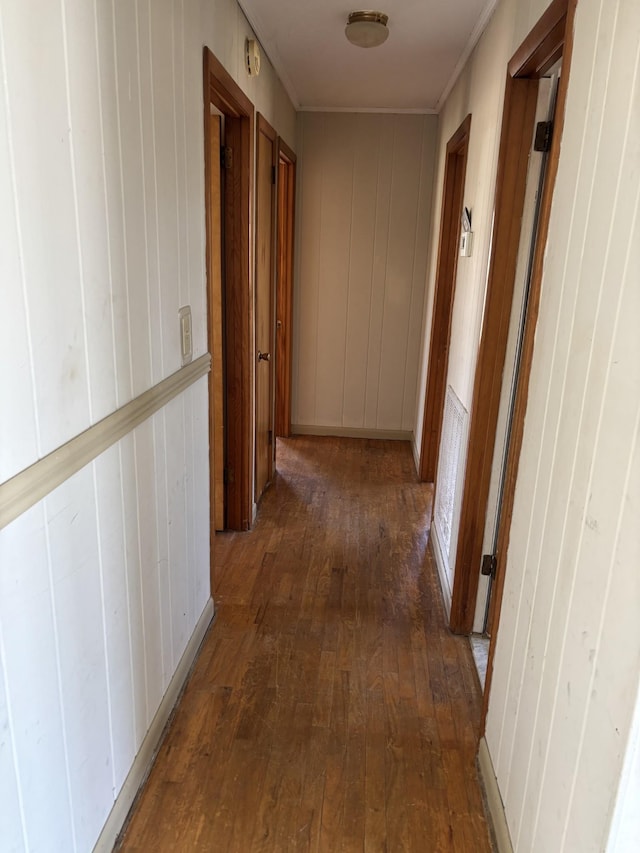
{"type": "Point", "coordinates": [548, 41]}
{"type": "Point", "coordinates": [513, 161]}
{"type": "Point", "coordinates": [522, 394]}
{"type": "Point", "coordinates": [542, 48]}
{"type": "Point", "coordinates": [266, 157]}
{"type": "Point", "coordinates": [455, 171]}
{"type": "Point", "coordinates": [284, 285]}
{"type": "Point", "coordinates": [221, 90]}
{"type": "Point", "coordinates": [495, 806]}
{"type": "Point", "coordinates": [28, 487]}
{"type": "Point", "coordinates": [151, 743]}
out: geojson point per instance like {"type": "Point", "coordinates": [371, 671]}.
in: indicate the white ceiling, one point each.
{"type": "Point", "coordinates": [429, 41]}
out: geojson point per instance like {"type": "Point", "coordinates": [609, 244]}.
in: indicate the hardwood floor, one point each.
{"type": "Point", "coordinates": [330, 709]}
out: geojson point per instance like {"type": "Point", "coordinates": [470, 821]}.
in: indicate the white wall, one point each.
{"type": "Point", "coordinates": [364, 202]}
{"type": "Point", "coordinates": [101, 585]}
{"type": "Point", "coordinates": [480, 91]}
{"type": "Point", "coordinates": [224, 29]}
{"type": "Point", "coordinates": [102, 223]}
{"type": "Point", "coordinates": [567, 663]}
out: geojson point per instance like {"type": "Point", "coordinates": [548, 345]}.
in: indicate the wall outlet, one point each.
{"type": "Point", "coordinates": [186, 341]}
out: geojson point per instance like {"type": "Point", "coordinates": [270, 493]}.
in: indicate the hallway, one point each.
{"type": "Point", "coordinates": [329, 709]}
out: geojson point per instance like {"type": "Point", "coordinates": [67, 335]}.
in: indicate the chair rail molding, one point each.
{"type": "Point", "coordinates": [34, 483]}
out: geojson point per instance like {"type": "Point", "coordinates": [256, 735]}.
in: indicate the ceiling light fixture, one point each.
{"type": "Point", "coordinates": [367, 29]}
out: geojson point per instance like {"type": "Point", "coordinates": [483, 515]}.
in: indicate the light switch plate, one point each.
{"type": "Point", "coordinates": [186, 342]}
{"type": "Point", "coordinates": [466, 242]}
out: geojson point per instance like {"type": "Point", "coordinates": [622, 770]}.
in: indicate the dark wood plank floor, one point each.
{"type": "Point", "coordinates": [330, 709]}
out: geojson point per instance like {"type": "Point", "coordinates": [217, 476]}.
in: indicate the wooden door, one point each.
{"type": "Point", "coordinates": [215, 309]}
{"type": "Point", "coordinates": [284, 286]}
{"type": "Point", "coordinates": [237, 177]}
{"type": "Point", "coordinates": [266, 154]}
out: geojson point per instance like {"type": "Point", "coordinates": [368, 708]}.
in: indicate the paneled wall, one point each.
{"type": "Point", "coordinates": [224, 29]}
{"type": "Point", "coordinates": [101, 203]}
{"type": "Point", "coordinates": [101, 585]}
{"type": "Point", "coordinates": [479, 91]}
{"type": "Point", "coordinates": [364, 203]}
{"type": "Point", "coordinates": [567, 665]}
{"type": "Point", "coordinates": [102, 222]}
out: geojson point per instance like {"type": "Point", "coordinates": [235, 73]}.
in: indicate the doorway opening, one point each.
{"type": "Point", "coordinates": [266, 165]}
{"type": "Point", "coordinates": [538, 158]}
{"type": "Point", "coordinates": [215, 316]}
{"type": "Point", "coordinates": [553, 48]}
{"type": "Point", "coordinates": [284, 286]}
{"type": "Point", "coordinates": [228, 181]}
{"type": "Point", "coordinates": [446, 269]}
{"type": "Point", "coordinates": [548, 42]}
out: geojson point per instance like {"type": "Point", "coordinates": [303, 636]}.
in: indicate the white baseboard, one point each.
{"type": "Point", "coordinates": [146, 755]}
{"type": "Point", "coordinates": [442, 571]}
{"type": "Point", "coordinates": [494, 799]}
{"type": "Point", "coordinates": [416, 453]}
{"type": "Point", "coordinates": [352, 432]}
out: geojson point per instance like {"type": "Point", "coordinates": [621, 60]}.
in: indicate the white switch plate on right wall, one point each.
{"type": "Point", "coordinates": [186, 342]}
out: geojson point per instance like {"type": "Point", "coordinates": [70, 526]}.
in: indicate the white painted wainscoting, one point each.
{"type": "Point", "coordinates": [448, 497]}
{"type": "Point", "coordinates": [104, 576]}
{"type": "Point", "coordinates": [102, 584]}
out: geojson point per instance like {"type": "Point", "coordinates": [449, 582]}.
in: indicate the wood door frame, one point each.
{"type": "Point", "coordinates": [443, 298]}
{"type": "Point", "coordinates": [215, 306]}
{"type": "Point", "coordinates": [284, 288]}
{"type": "Point", "coordinates": [263, 127]}
{"type": "Point", "coordinates": [221, 90]}
{"type": "Point", "coordinates": [541, 49]}
{"type": "Point", "coordinates": [542, 52]}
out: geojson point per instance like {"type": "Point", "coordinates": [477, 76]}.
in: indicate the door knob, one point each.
{"type": "Point", "coordinates": [264, 356]}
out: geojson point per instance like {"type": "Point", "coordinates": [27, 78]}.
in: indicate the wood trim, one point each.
{"type": "Point", "coordinates": [265, 129]}
{"type": "Point", "coordinates": [222, 91]}
{"type": "Point", "coordinates": [263, 126]}
{"type": "Point", "coordinates": [215, 322]}
{"type": "Point", "coordinates": [545, 40]}
{"type": "Point", "coordinates": [25, 489]}
{"type": "Point", "coordinates": [542, 48]}
{"type": "Point", "coordinates": [513, 160]}
{"type": "Point", "coordinates": [522, 394]}
{"type": "Point", "coordinates": [285, 152]}
{"type": "Point", "coordinates": [443, 299]}
{"type": "Point", "coordinates": [287, 167]}
{"type": "Point", "coordinates": [209, 260]}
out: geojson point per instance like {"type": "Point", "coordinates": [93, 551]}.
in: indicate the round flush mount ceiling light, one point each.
{"type": "Point", "coordinates": [367, 29]}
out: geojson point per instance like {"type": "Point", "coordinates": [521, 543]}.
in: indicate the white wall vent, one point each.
{"type": "Point", "coordinates": [449, 487]}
